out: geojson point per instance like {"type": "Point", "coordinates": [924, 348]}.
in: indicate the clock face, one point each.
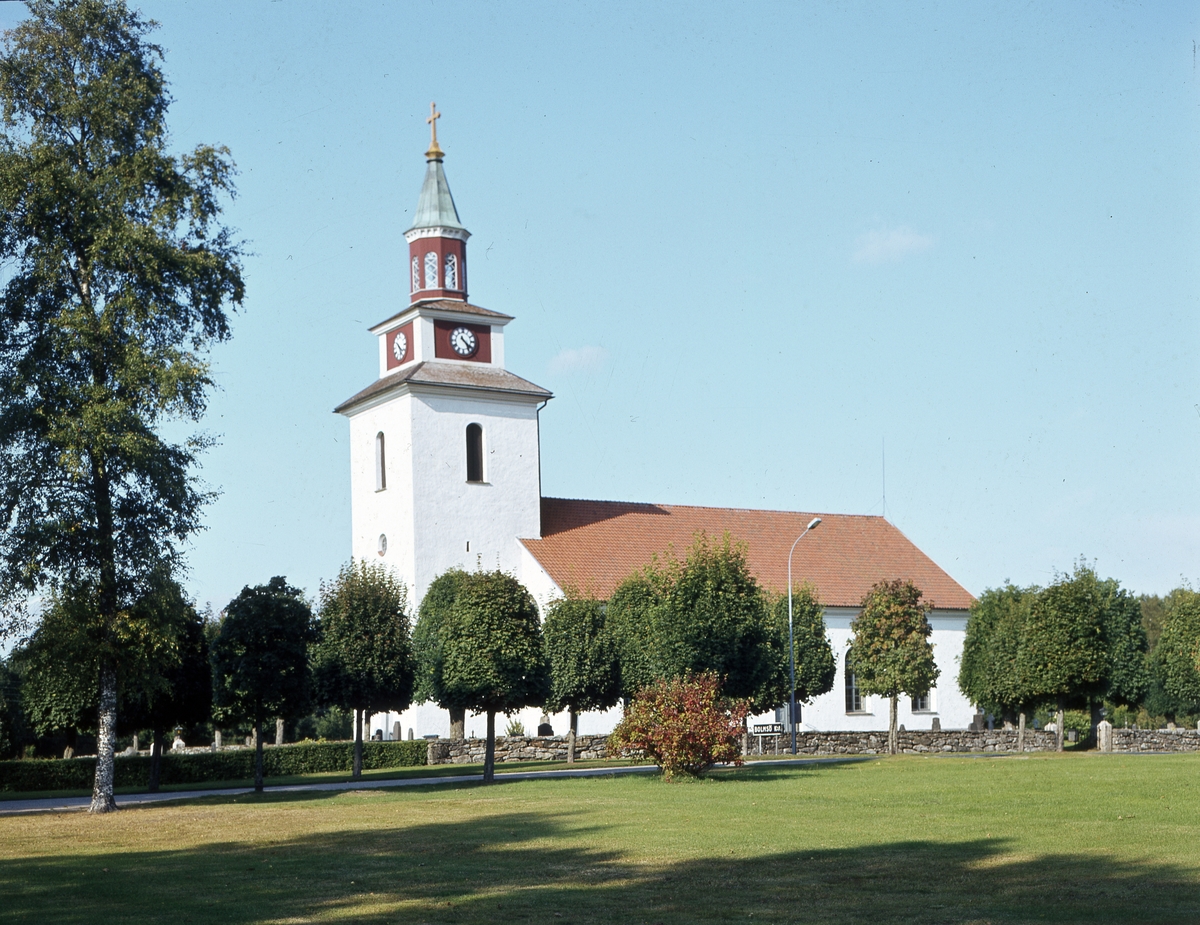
{"type": "Point", "coordinates": [464, 342]}
{"type": "Point", "coordinates": [400, 348]}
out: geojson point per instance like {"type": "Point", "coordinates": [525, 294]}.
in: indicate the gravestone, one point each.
{"type": "Point", "coordinates": [1104, 736]}
{"type": "Point", "coordinates": [217, 738]}
{"type": "Point", "coordinates": [410, 733]}
{"type": "Point", "coordinates": [396, 731]}
{"type": "Point", "coordinates": [937, 725]}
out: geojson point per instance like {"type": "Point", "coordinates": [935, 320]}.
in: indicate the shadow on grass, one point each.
{"type": "Point", "coordinates": [547, 866]}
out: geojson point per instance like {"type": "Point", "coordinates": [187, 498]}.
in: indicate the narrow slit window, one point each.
{"type": "Point", "coordinates": [431, 268]}
{"type": "Point", "coordinates": [451, 273]}
{"type": "Point", "coordinates": [853, 697]}
{"type": "Point", "coordinates": [380, 464]}
{"type": "Point", "coordinates": [474, 453]}
{"type": "Point", "coordinates": [416, 274]}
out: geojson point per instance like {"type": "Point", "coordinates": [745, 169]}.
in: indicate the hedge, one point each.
{"type": "Point", "coordinates": [200, 767]}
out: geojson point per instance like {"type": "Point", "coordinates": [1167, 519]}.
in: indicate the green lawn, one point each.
{"type": "Point", "coordinates": [1073, 838]}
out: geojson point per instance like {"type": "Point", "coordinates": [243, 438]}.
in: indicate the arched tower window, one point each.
{"type": "Point", "coordinates": [416, 274]}
{"type": "Point", "coordinates": [380, 464]}
{"type": "Point", "coordinates": [853, 697]}
{"type": "Point", "coordinates": [431, 268]}
{"type": "Point", "coordinates": [450, 276]}
{"type": "Point", "coordinates": [474, 453]}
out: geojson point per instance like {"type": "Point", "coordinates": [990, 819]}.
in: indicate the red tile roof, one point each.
{"type": "Point", "coordinates": [594, 545]}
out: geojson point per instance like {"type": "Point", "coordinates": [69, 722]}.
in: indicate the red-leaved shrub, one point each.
{"type": "Point", "coordinates": [683, 725]}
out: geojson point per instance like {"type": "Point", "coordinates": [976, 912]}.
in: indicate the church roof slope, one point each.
{"type": "Point", "coordinates": [468, 375]}
{"type": "Point", "coordinates": [595, 545]}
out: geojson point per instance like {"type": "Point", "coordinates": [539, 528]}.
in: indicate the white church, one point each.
{"type": "Point", "coordinates": [445, 472]}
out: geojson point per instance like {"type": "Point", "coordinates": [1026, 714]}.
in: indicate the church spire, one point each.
{"type": "Point", "coordinates": [437, 240]}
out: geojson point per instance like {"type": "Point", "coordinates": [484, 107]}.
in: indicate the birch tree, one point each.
{"type": "Point", "coordinates": [118, 278]}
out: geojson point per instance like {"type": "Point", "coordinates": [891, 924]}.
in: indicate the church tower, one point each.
{"type": "Point", "coordinates": [444, 456]}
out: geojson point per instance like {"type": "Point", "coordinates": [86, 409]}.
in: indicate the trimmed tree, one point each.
{"type": "Point", "coordinates": [890, 643]}
{"type": "Point", "coordinates": [260, 659]}
{"type": "Point", "coordinates": [363, 660]}
{"type": "Point", "coordinates": [582, 657]}
{"type": "Point", "coordinates": [185, 697]}
{"type": "Point", "coordinates": [991, 672]}
{"type": "Point", "coordinates": [117, 275]}
{"type": "Point", "coordinates": [705, 613]}
{"type": "Point", "coordinates": [61, 660]}
{"type": "Point", "coordinates": [1084, 643]}
{"type": "Point", "coordinates": [1177, 655]}
{"type": "Point", "coordinates": [629, 618]}
{"type": "Point", "coordinates": [427, 647]}
{"type": "Point", "coordinates": [493, 658]}
{"type": "Point", "coordinates": [816, 667]}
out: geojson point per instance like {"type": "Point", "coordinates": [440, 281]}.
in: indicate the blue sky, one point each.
{"type": "Point", "coordinates": [746, 245]}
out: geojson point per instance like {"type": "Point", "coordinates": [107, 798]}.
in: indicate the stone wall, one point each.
{"type": "Point", "coordinates": [1155, 740]}
{"type": "Point", "coordinates": [516, 748]}
{"type": "Point", "coordinates": [916, 742]}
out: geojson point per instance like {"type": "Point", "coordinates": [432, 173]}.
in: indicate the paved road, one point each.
{"type": "Point", "coordinates": [62, 804]}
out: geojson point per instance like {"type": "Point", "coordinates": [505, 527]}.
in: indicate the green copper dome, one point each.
{"type": "Point", "coordinates": [435, 208]}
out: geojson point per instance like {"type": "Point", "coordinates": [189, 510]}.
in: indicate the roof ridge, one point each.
{"type": "Point", "coordinates": [709, 507]}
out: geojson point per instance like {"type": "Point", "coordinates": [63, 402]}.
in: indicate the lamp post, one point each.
{"type": "Point", "coordinates": [812, 525]}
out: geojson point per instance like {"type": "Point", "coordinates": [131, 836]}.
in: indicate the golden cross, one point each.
{"type": "Point", "coordinates": [434, 151]}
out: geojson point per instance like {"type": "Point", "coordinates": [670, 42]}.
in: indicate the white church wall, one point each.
{"type": "Point", "coordinates": [389, 512]}
{"type": "Point", "coordinates": [948, 704]}
{"type": "Point", "coordinates": [472, 525]}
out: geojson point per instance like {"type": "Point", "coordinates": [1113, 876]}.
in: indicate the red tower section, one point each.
{"type": "Point", "coordinates": [437, 240]}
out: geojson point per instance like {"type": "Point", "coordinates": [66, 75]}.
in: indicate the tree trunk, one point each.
{"type": "Point", "coordinates": [458, 724]}
{"type": "Point", "coordinates": [571, 732]}
{"type": "Point", "coordinates": [893, 735]}
{"type": "Point", "coordinates": [279, 731]}
{"type": "Point", "coordinates": [489, 753]}
{"type": "Point", "coordinates": [156, 745]}
{"type": "Point", "coordinates": [258, 755]}
{"type": "Point", "coordinates": [102, 789]}
{"type": "Point", "coordinates": [1021, 731]}
{"type": "Point", "coordinates": [1058, 727]}
{"type": "Point", "coordinates": [356, 771]}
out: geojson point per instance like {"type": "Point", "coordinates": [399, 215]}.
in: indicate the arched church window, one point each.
{"type": "Point", "coordinates": [474, 453]}
{"type": "Point", "coordinates": [380, 464]}
{"type": "Point", "coordinates": [451, 274]}
{"type": "Point", "coordinates": [853, 697]}
{"type": "Point", "coordinates": [431, 270]}
{"type": "Point", "coordinates": [416, 274]}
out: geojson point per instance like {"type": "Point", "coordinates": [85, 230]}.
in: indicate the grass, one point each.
{"type": "Point", "coordinates": [1072, 838]}
{"type": "Point", "coordinates": [439, 770]}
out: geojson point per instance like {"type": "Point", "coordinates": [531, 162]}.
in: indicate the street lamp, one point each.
{"type": "Point", "coordinates": [812, 525]}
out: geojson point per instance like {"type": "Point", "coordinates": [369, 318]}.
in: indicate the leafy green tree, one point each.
{"type": "Point", "coordinates": [890, 642]}
{"type": "Point", "coordinates": [260, 659]}
{"type": "Point", "coordinates": [816, 667]}
{"type": "Point", "coordinates": [584, 674]}
{"type": "Point", "coordinates": [363, 661]}
{"type": "Point", "coordinates": [629, 619]}
{"type": "Point", "coordinates": [427, 646]}
{"type": "Point", "coordinates": [61, 659]}
{"type": "Point", "coordinates": [1178, 651]}
{"type": "Point", "coordinates": [991, 671]}
{"type": "Point", "coordinates": [183, 698]}
{"type": "Point", "coordinates": [13, 731]}
{"type": "Point", "coordinates": [117, 275]}
{"type": "Point", "coordinates": [1083, 643]}
{"type": "Point", "coordinates": [705, 613]}
{"type": "Point", "coordinates": [493, 659]}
